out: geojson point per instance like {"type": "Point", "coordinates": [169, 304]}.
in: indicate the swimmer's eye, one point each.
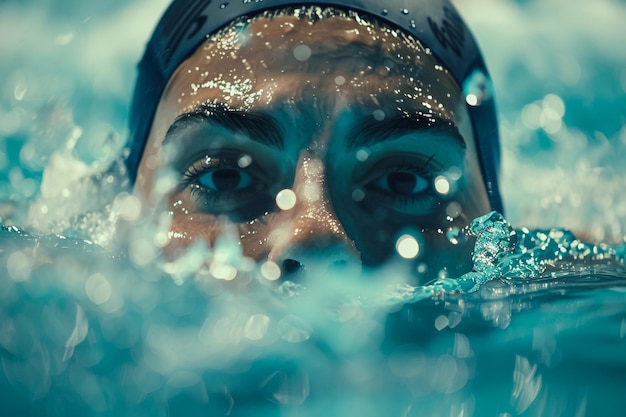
{"type": "Point", "coordinates": [405, 183]}
{"type": "Point", "coordinates": [224, 179]}
{"type": "Point", "coordinates": [402, 185]}
{"type": "Point", "coordinates": [230, 183]}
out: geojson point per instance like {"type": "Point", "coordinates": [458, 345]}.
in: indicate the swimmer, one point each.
{"type": "Point", "coordinates": [324, 132]}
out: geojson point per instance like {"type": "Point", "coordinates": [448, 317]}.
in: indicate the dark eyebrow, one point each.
{"type": "Point", "coordinates": [369, 131]}
{"type": "Point", "coordinates": [257, 126]}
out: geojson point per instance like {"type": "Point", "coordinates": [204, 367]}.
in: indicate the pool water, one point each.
{"type": "Point", "coordinates": [87, 332]}
{"type": "Point", "coordinates": [92, 328]}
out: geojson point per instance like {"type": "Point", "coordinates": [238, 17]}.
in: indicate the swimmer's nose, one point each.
{"type": "Point", "coordinates": [337, 260]}
{"type": "Point", "coordinates": [311, 239]}
{"type": "Point", "coordinates": [314, 245]}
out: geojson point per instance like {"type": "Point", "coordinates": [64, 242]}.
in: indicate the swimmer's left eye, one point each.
{"type": "Point", "coordinates": [401, 184]}
{"type": "Point", "coordinates": [225, 179]}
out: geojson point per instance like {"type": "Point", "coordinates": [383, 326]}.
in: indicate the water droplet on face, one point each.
{"type": "Point", "coordinates": [244, 161]}
{"type": "Point", "coordinates": [340, 80]}
{"type": "Point", "coordinates": [454, 209]}
{"type": "Point", "coordinates": [302, 52]}
{"type": "Point", "coordinates": [286, 199]}
{"type": "Point", "coordinates": [362, 155]}
{"type": "Point", "coordinates": [358, 194]}
{"type": "Point", "coordinates": [405, 11]}
{"type": "Point", "coordinates": [378, 115]}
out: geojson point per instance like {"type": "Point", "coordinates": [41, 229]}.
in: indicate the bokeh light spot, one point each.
{"type": "Point", "coordinates": [270, 271]}
{"type": "Point", "coordinates": [471, 99]}
{"type": "Point", "coordinates": [407, 247]}
{"type": "Point", "coordinates": [442, 185]}
{"type": "Point", "coordinates": [286, 199]}
{"type": "Point", "coordinates": [98, 289]}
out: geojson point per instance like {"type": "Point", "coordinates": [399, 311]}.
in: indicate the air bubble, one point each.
{"type": "Point", "coordinates": [340, 80]}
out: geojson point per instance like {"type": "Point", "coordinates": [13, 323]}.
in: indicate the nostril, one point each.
{"type": "Point", "coordinates": [291, 266]}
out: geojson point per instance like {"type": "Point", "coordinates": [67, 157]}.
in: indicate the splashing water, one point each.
{"type": "Point", "coordinates": [537, 328]}
{"type": "Point", "coordinates": [86, 331]}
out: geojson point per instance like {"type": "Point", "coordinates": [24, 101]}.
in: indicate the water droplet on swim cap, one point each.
{"type": "Point", "coordinates": [385, 12]}
{"type": "Point", "coordinates": [223, 5]}
{"type": "Point", "coordinates": [405, 11]}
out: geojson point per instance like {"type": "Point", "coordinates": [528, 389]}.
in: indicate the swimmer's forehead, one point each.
{"type": "Point", "coordinates": [279, 48]}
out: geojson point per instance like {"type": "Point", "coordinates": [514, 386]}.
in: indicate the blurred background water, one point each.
{"type": "Point", "coordinates": [84, 332]}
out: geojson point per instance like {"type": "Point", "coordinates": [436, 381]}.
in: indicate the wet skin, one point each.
{"type": "Point", "coordinates": [362, 124]}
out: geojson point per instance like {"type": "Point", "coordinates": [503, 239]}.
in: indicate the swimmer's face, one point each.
{"type": "Point", "coordinates": [317, 140]}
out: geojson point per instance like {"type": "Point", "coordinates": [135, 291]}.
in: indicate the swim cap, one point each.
{"type": "Point", "coordinates": [435, 23]}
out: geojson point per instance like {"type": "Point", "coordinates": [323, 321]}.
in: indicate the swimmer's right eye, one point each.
{"type": "Point", "coordinates": [230, 183]}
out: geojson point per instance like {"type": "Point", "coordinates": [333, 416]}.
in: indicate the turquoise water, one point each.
{"type": "Point", "coordinates": [86, 332]}
{"type": "Point", "coordinates": [96, 329]}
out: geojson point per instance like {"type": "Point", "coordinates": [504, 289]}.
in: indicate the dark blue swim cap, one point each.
{"type": "Point", "coordinates": [435, 23]}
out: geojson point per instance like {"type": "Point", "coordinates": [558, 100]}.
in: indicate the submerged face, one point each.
{"type": "Point", "coordinates": [318, 140]}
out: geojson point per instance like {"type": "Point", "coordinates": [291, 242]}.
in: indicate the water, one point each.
{"type": "Point", "coordinates": [537, 329]}
{"type": "Point", "coordinates": [86, 332]}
